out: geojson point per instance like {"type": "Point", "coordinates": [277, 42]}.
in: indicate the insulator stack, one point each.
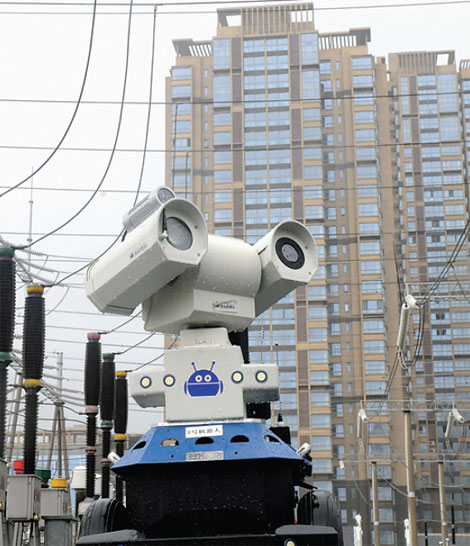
{"type": "Point", "coordinates": [7, 327]}
{"type": "Point", "coordinates": [107, 387]}
{"type": "Point", "coordinates": [92, 394]}
{"type": "Point", "coordinates": [120, 423]}
{"type": "Point", "coordinates": [33, 361]}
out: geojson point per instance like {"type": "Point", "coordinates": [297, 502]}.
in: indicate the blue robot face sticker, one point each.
{"type": "Point", "coordinates": [203, 383]}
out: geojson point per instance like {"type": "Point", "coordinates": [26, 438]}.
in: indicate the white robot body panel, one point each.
{"type": "Point", "coordinates": [203, 382]}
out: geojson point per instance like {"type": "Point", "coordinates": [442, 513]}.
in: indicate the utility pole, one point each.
{"type": "Point", "coordinates": [442, 501]}
{"type": "Point", "coordinates": [16, 411]}
{"type": "Point", "coordinates": [58, 426]}
{"type": "Point", "coordinates": [413, 531]}
{"type": "Point", "coordinates": [375, 504]}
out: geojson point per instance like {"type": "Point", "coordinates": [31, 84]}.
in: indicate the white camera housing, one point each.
{"type": "Point", "coordinates": [288, 256]}
{"type": "Point", "coordinates": [146, 207]}
{"type": "Point", "coordinates": [220, 292]}
{"type": "Point", "coordinates": [171, 240]}
{"type": "Point", "coordinates": [235, 282]}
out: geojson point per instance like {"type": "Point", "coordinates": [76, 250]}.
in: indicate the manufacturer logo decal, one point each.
{"type": "Point", "coordinates": [137, 251]}
{"type": "Point", "coordinates": [203, 383]}
{"type": "Point", "coordinates": [228, 305]}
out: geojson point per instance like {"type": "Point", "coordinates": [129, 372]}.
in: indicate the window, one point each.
{"type": "Point", "coordinates": [322, 466]}
{"type": "Point", "coordinates": [276, 81]}
{"type": "Point", "coordinates": [374, 367]}
{"type": "Point", "coordinates": [338, 431]}
{"type": "Point", "coordinates": [370, 267]}
{"type": "Point", "coordinates": [318, 356]}
{"type": "Point", "coordinates": [374, 346]}
{"type": "Point", "coordinates": [379, 450]}
{"type": "Point", "coordinates": [370, 228]}
{"type": "Point", "coordinates": [222, 176]}
{"type": "Point", "coordinates": [361, 99]}
{"type": "Point", "coordinates": [364, 80]}
{"type": "Point", "coordinates": [222, 88]}
{"type": "Point", "coordinates": [364, 135]}
{"type": "Point", "coordinates": [361, 63]}
{"type": "Point", "coordinates": [312, 172]}
{"type": "Point", "coordinates": [364, 116]}
{"type": "Point", "coordinates": [319, 377]}
{"type": "Point", "coordinates": [312, 133]}
{"type": "Point", "coordinates": [321, 443]}
{"type": "Point", "coordinates": [317, 334]}
{"type": "Point", "coordinates": [179, 91]}
{"type": "Point", "coordinates": [317, 313]}
{"type": "Point", "coordinates": [310, 84]}
{"type": "Point", "coordinates": [369, 247]}
{"type": "Point", "coordinates": [221, 53]}
{"type": "Point", "coordinates": [368, 209]}
{"type": "Point", "coordinates": [375, 387]}
{"type": "Point", "coordinates": [369, 190]}
{"type": "Point", "coordinates": [181, 108]}
{"type": "Point", "coordinates": [366, 171]}
{"type": "Point", "coordinates": [178, 73]}
{"type": "Point", "coordinates": [311, 114]}
{"type": "Point", "coordinates": [372, 306]}
{"type": "Point", "coordinates": [222, 157]}
{"type": "Point", "coordinates": [316, 292]}
{"type": "Point", "coordinates": [276, 44]}
{"type": "Point", "coordinates": [222, 215]}
{"type": "Point", "coordinates": [181, 143]}
{"type": "Point", "coordinates": [334, 349]}
{"type": "Point", "coordinates": [321, 420]}
{"type": "Point", "coordinates": [319, 399]}
{"type": "Point", "coordinates": [374, 326]}
{"type": "Point", "coordinates": [256, 157]}
{"type": "Point", "coordinates": [309, 48]}
{"type": "Point", "coordinates": [222, 118]}
{"type": "Point", "coordinates": [311, 152]}
{"type": "Point", "coordinates": [253, 63]}
{"type": "Point", "coordinates": [222, 196]}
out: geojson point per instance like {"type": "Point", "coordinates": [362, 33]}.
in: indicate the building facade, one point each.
{"type": "Point", "coordinates": [272, 120]}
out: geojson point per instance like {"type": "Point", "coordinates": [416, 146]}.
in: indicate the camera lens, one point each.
{"type": "Point", "coordinates": [290, 253]}
{"type": "Point", "coordinates": [179, 235]}
{"type": "Point", "coordinates": [164, 195]}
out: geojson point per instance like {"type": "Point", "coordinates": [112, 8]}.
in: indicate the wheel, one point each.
{"type": "Point", "coordinates": [104, 516]}
{"type": "Point", "coordinates": [320, 508]}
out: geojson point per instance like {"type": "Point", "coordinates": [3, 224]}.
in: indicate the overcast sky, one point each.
{"type": "Point", "coordinates": [42, 57]}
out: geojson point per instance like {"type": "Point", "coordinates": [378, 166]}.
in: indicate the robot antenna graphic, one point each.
{"type": "Point", "coordinates": [203, 383]}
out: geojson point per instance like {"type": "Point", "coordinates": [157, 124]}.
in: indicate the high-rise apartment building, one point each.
{"type": "Point", "coordinates": [272, 120]}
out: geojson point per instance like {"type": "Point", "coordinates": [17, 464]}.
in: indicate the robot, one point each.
{"type": "Point", "coordinates": [213, 472]}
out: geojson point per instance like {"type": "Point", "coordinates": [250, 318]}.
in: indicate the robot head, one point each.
{"type": "Point", "coordinates": [203, 383]}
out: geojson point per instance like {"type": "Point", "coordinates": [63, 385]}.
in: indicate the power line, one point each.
{"type": "Point", "coordinates": [74, 114]}
{"type": "Point", "coordinates": [111, 157]}
{"type": "Point", "coordinates": [237, 2]}
{"type": "Point", "coordinates": [227, 148]}
{"type": "Point", "coordinates": [212, 102]}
